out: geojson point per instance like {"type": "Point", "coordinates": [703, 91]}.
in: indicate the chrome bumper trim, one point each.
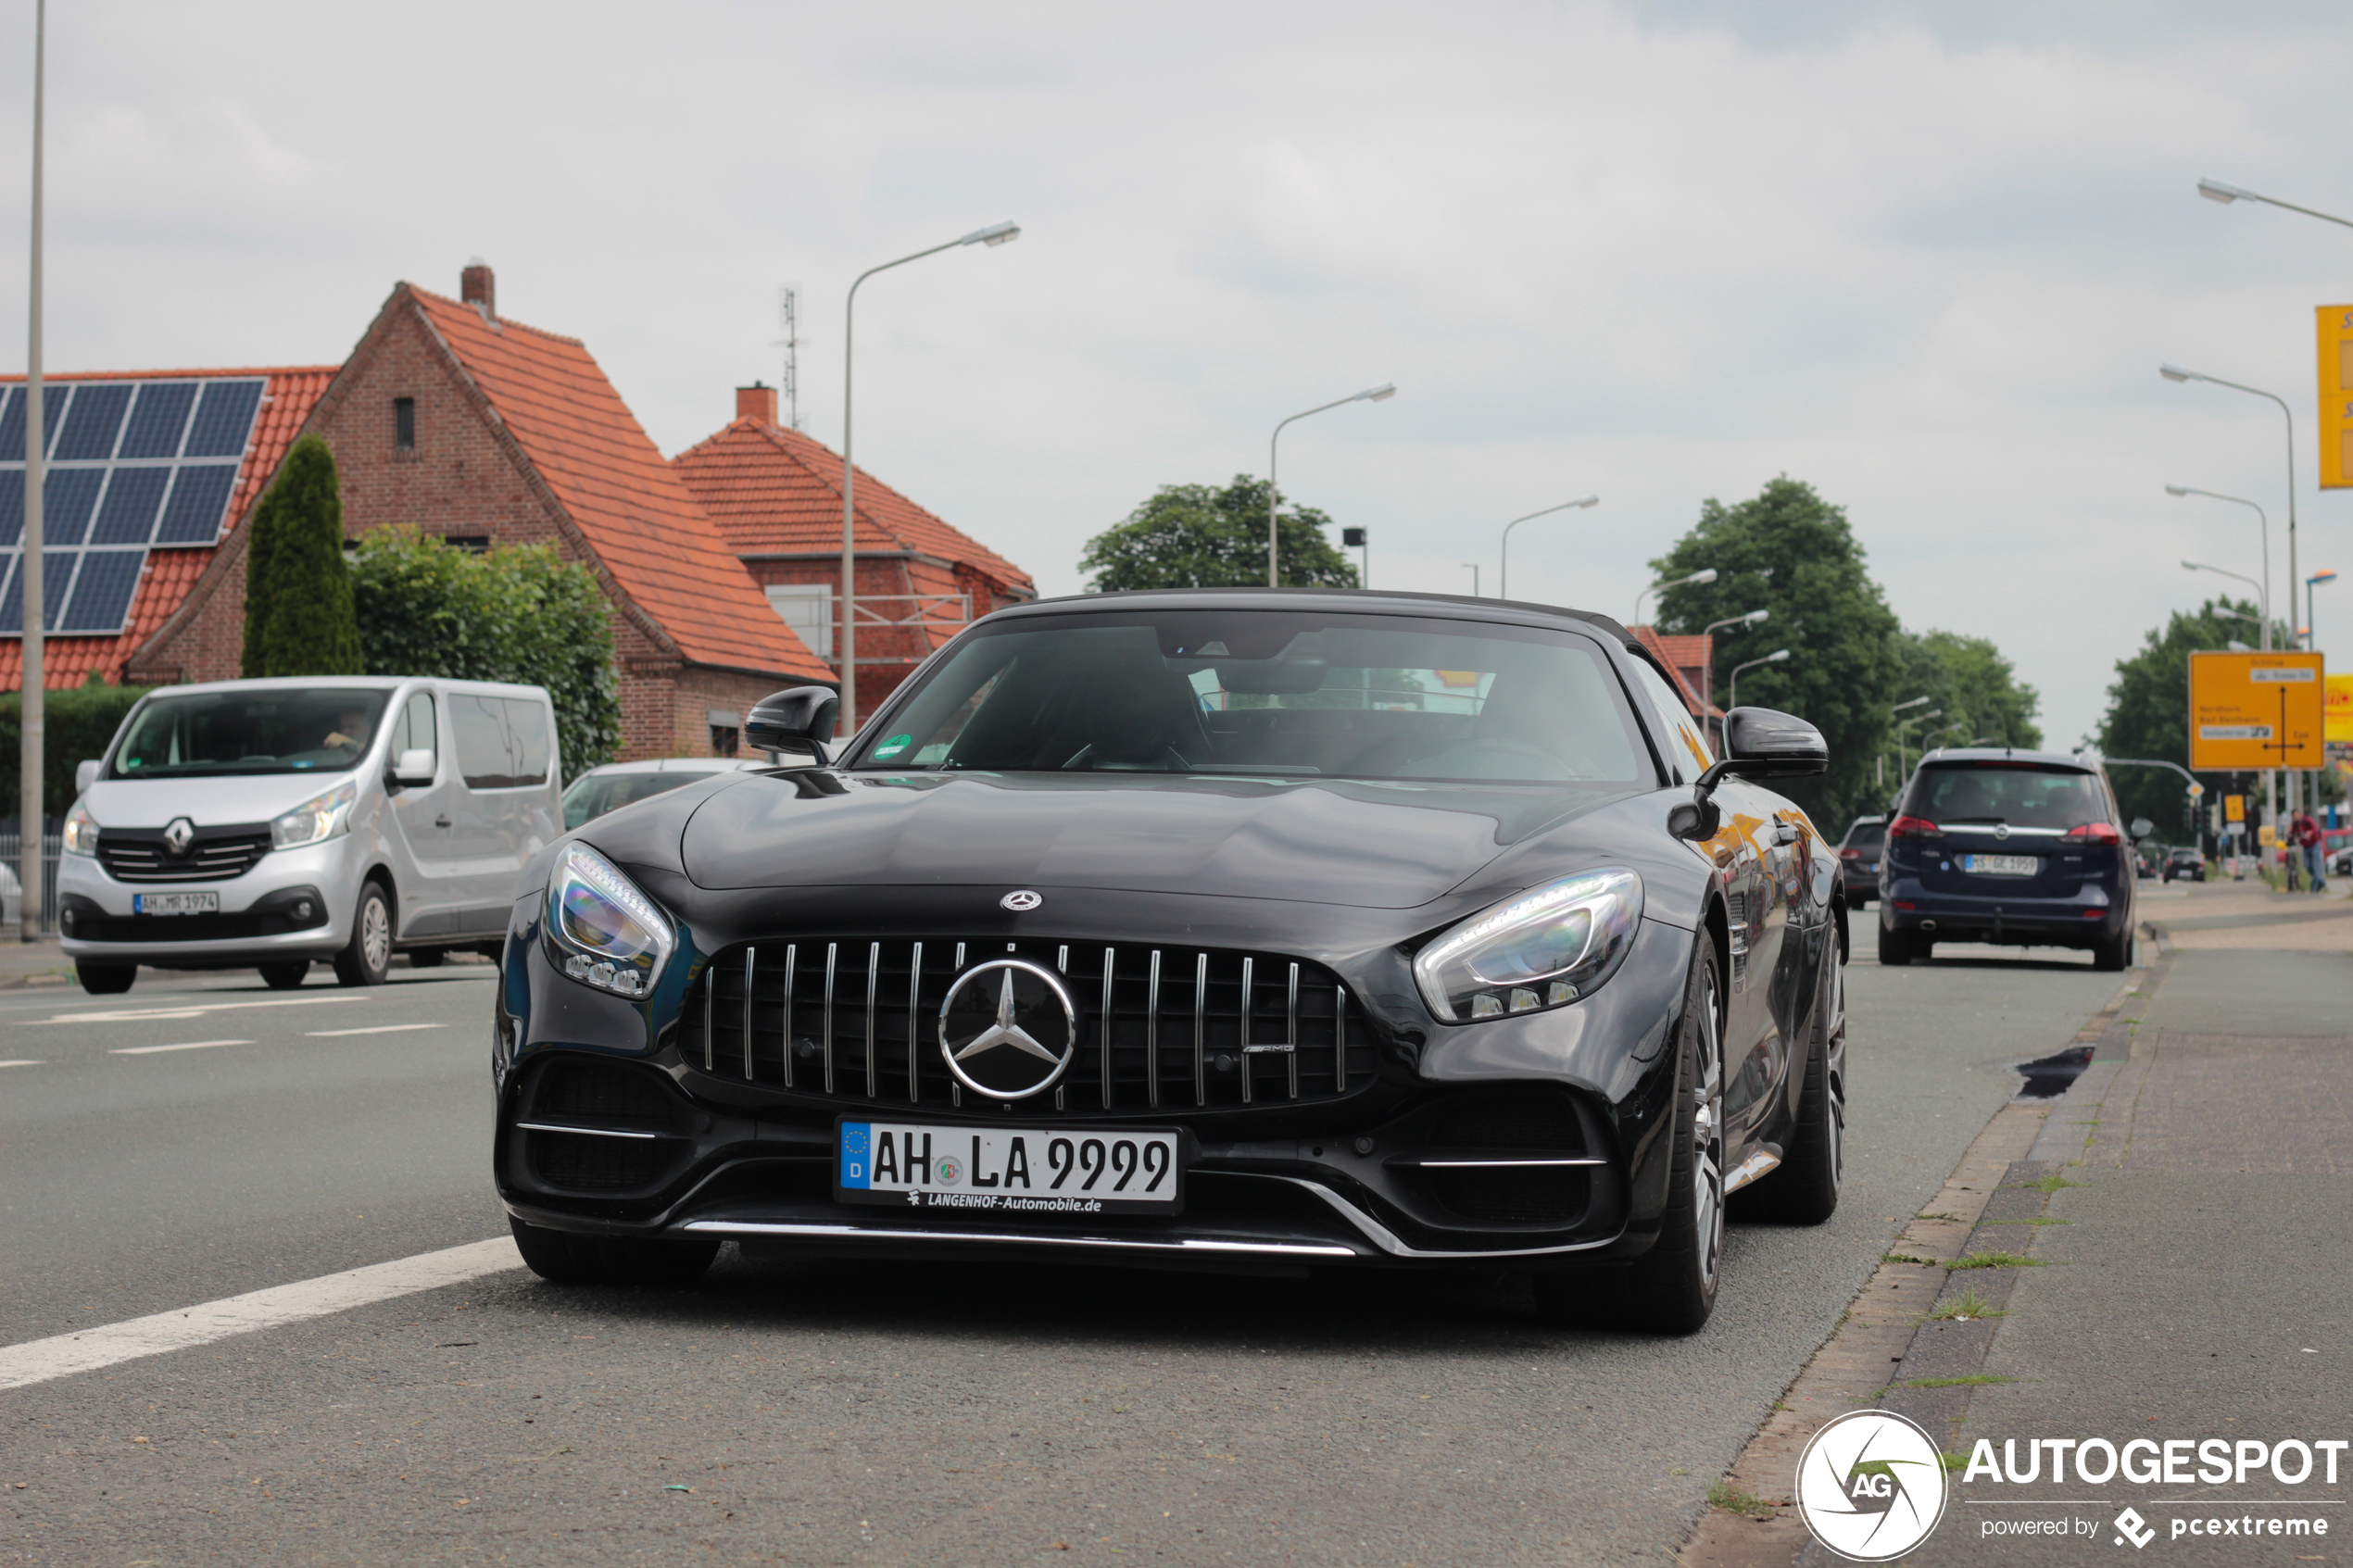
{"type": "Point", "coordinates": [585, 1132]}
{"type": "Point", "coordinates": [893, 1233]}
{"type": "Point", "coordinates": [1382, 1237]}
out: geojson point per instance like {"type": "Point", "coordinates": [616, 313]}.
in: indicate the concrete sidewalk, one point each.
{"type": "Point", "coordinates": [34, 963]}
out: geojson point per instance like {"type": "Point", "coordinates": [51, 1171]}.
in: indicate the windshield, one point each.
{"type": "Point", "coordinates": [591, 798]}
{"type": "Point", "coordinates": [249, 731]}
{"type": "Point", "coordinates": [2020, 795]}
{"type": "Point", "coordinates": [1275, 694]}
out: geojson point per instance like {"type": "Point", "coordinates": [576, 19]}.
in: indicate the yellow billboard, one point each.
{"type": "Point", "coordinates": [2255, 711]}
{"type": "Point", "coordinates": [2339, 698]}
{"type": "Point", "coordinates": [2335, 368]}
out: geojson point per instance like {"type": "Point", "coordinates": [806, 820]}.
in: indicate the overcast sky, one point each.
{"type": "Point", "coordinates": [1926, 258]}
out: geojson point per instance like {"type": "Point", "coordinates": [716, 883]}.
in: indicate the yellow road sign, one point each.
{"type": "Point", "coordinates": [2336, 395]}
{"type": "Point", "coordinates": [2255, 711]}
{"type": "Point", "coordinates": [2340, 709]}
{"type": "Point", "coordinates": [2235, 807]}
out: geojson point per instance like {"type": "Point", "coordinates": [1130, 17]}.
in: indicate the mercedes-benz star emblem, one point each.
{"type": "Point", "coordinates": [179, 835]}
{"type": "Point", "coordinates": [1021, 903]}
{"type": "Point", "coordinates": [1008, 1028]}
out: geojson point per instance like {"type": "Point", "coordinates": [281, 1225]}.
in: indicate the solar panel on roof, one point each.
{"type": "Point", "coordinates": [11, 507]}
{"type": "Point", "coordinates": [91, 422]}
{"type": "Point", "coordinates": [158, 419]}
{"type": "Point", "coordinates": [102, 592]}
{"type": "Point", "coordinates": [199, 496]}
{"type": "Point", "coordinates": [224, 419]}
{"type": "Point", "coordinates": [53, 404]}
{"type": "Point", "coordinates": [133, 497]}
{"type": "Point", "coordinates": [56, 566]}
{"type": "Point", "coordinates": [67, 497]}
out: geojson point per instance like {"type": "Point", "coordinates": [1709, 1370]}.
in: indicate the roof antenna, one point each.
{"type": "Point", "coordinates": [789, 316]}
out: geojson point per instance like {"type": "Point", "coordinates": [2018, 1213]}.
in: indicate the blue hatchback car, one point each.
{"type": "Point", "coordinates": [2020, 848]}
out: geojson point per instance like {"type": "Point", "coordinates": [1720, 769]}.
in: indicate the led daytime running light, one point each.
{"type": "Point", "coordinates": [609, 935]}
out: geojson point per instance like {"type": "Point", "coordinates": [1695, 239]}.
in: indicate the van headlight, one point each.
{"type": "Point", "coordinates": [1541, 948]}
{"type": "Point", "coordinates": [607, 934]}
{"type": "Point", "coordinates": [81, 830]}
{"type": "Point", "coordinates": [317, 819]}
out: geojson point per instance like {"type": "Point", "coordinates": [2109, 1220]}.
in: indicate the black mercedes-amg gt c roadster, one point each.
{"type": "Point", "coordinates": [1230, 929]}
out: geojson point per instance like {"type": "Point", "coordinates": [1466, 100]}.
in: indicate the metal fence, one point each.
{"type": "Point", "coordinates": [11, 900]}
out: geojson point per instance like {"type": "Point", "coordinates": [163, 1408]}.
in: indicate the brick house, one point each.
{"type": "Point", "coordinates": [774, 495]}
{"type": "Point", "coordinates": [1686, 659]}
{"type": "Point", "coordinates": [149, 471]}
{"type": "Point", "coordinates": [486, 431]}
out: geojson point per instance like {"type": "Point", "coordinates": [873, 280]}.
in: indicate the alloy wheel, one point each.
{"type": "Point", "coordinates": [375, 933]}
{"type": "Point", "coordinates": [1834, 1072]}
{"type": "Point", "coordinates": [1707, 1146]}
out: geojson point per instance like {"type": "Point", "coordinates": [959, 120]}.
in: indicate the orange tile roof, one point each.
{"type": "Point", "coordinates": [773, 491]}
{"type": "Point", "coordinates": [639, 518]}
{"type": "Point", "coordinates": [286, 404]}
{"type": "Point", "coordinates": [1665, 650]}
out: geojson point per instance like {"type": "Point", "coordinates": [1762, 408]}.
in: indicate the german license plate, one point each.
{"type": "Point", "coordinates": [1009, 1171]}
{"type": "Point", "coordinates": [175, 903]}
{"type": "Point", "coordinates": [2001, 865]}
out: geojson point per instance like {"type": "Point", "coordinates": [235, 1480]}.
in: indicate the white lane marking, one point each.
{"type": "Point", "coordinates": [38, 1360]}
{"type": "Point", "coordinates": [192, 1009]}
{"type": "Point", "coordinates": [19, 1063]}
{"type": "Point", "coordinates": [191, 1046]}
{"type": "Point", "coordinates": [379, 1029]}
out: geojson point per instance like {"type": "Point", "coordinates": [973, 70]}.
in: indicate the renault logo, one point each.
{"type": "Point", "coordinates": [179, 835]}
{"type": "Point", "coordinates": [1007, 1029]}
{"type": "Point", "coordinates": [1021, 903]}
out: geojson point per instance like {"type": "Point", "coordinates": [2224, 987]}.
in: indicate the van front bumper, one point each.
{"type": "Point", "coordinates": [293, 904]}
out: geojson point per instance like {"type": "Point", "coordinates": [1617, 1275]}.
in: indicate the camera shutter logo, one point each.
{"type": "Point", "coordinates": [1870, 1486]}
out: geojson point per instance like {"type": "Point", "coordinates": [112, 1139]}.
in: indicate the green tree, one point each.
{"type": "Point", "coordinates": [1194, 536]}
{"type": "Point", "coordinates": [2149, 712]}
{"type": "Point", "coordinates": [521, 613]}
{"type": "Point", "coordinates": [1788, 550]}
{"type": "Point", "coordinates": [1976, 689]}
{"type": "Point", "coordinates": [298, 607]}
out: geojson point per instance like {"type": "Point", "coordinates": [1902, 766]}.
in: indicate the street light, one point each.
{"type": "Point", "coordinates": [2175, 373]}
{"type": "Point", "coordinates": [1504, 577]}
{"type": "Point", "coordinates": [995, 234]}
{"type": "Point", "coordinates": [1778, 655]}
{"type": "Point", "coordinates": [1380, 393]}
{"type": "Point", "coordinates": [1708, 671]}
{"type": "Point", "coordinates": [1705, 574]}
{"type": "Point", "coordinates": [1901, 768]}
{"type": "Point", "coordinates": [2215, 191]}
{"type": "Point", "coordinates": [2309, 584]}
{"type": "Point", "coordinates": [2217, 495]}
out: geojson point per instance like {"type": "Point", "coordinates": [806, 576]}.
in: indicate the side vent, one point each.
{"type": "Point", "coordinates": [1736, 918]}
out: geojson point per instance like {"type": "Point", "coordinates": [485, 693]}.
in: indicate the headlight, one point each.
{"type": "Point", "coordinates": [1541, 948]}
{"type": "Point", "coordinates": [320, 818]}
{"type": "Point", "coordinates": [81, 830]}
{"type": "Point", "coordinates": [606, 933]}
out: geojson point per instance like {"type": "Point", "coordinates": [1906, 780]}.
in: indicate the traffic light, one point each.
{"type": "Point", "coordinates": [2335, 367]}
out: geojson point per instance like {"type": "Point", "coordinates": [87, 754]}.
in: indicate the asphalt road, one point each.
{"type": "Point", "coordinates": [854, 1413]}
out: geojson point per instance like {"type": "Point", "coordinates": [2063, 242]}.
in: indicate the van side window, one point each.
{"type": "Point", "coordinates": [502, 742]}
{"type": "Point", "coordinates": [1686, 744]}
{"type": "Point", "coordinates": [527, 728]}
{"type": "Point", "coordinates": [413, 730]}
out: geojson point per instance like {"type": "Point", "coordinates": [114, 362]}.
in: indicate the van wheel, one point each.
{"type": "Point", "coordinates": [284, 976]}
{"type": "Point", "coordinates": [367, 958]}
{"type": "Point", "coordinates": [106, 979]}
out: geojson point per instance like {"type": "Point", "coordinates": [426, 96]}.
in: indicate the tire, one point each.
{"type": "Point", "coordinates": [561, 1258]}
{"type": "Point", "coordinates": [367, 958]}
{"type": "Point", "coordinates": [426, 958]}
{"type": "Point", "coordinates": [2113, 955]}
{"type": "Point", "coordinates": [1805, 1190]}
{"type": "Point", "coordinates": [1895, 947]}
{"type": "Point", "coordinates": [1671, 1288]}
{"type": "Point", "coordinates": [284, 976]}
{"type": "Point", "coordinates": [106, 979]}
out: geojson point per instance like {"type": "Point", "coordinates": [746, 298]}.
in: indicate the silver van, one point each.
{"type": "Point", "coordinates": [275, 824]}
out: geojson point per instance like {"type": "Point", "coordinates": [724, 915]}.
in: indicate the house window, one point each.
{"type": "Point", "coordinates": [472, 544]}
{"type": "Point", "coordinates": [726, 732]}
{"type": "Point", "coordinates": [808, 608]}
{"type": "Point", "coordinates": [404, 424]}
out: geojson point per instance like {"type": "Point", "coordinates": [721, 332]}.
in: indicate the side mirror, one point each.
{"type": "Point", "coordinates": [85, 775]}
{"type": "Point", "coordinates": [414, 766]}
{"type": "Point", "coordinates": [2142, 828]}
{"type": "Point", "coordinates": [800, 719]}
{"type": "Point", "coordinates": [1762, 744]}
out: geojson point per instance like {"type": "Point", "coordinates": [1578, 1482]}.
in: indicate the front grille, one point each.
{"type": "Point", "coordinates": [1542, 1195]}
{"type": "Point", "coordinates": [586, 1163]}
{"type": "Point", "coordinates": [1189, 1028]}
{"type": "Point", "coordinates": [597, 1091]}
{"type": "Point", "coordinates": [214, 855]}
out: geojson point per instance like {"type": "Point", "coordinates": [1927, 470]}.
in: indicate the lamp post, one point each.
{"type": "Point", "coordinates": [30, 814]}
{"type": "Point", "coordinates": [1705, 574]}
{"type": "Point", "coordinates": [2215, 191]}
{"type": "Point", "coordinates": [1380, 393]}
{"type": "Point", "coordinates": [1902, 765]}
{"type": "Point", "coordinates": [1707, 672]}
{"type": "Point", "coordinates": [1778, 655]}
{"type": "Point", "coordinates": [2312, 582]}
{"type": "Point", "coordinates": [995, 234]}
{"type": "Point", "coordinates": [1504, 576]}
{"type": "Point", "coordinates": [2265, 520]}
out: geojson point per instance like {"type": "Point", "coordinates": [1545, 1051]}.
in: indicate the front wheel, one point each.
{"type": "Point", "coordinates": [561, 1258]}
{"type": "Point", "coordinates": [284, 976]}
{"type": "Point", "coordinates": [367, 958]}
{"type": "Point", "coordinates": [106, 979]}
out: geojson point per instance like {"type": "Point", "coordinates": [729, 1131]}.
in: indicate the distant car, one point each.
{"type": "Point", "coordinates": [2186, 864]}
{"type": "Point", "coordinates": [2018, 849]}
{"type": "Point", "coordinates": [616, 785]}
{"type": "Point", "coordinates": [1859, 860]}
{"type": "Point", "coordinates": [2342, 862]}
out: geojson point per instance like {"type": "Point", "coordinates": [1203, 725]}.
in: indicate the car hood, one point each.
{"type": "Point", "coordinates": [1370, 844]}
{"type": "Point", "coordinates": [216, 802]}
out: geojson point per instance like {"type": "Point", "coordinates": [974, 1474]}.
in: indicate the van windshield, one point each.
{"type": "Point", "coordinates": [250, 732]}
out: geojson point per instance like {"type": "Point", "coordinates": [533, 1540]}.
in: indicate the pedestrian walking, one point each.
{"type": "Point", "coordinates": [2308, 839]}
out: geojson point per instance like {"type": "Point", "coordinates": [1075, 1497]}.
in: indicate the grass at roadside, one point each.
{"type": "Point", "coordinates": [1963, 1308]}
{"type": "Point", "coordinates": [1731, 1499]}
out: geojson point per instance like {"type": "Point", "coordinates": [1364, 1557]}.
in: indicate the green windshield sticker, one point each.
{"type": "Point", "coordinates": [893, 747]}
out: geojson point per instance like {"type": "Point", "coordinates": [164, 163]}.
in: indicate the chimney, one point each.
{"type": "Point", "coordinates": [757, 401]}
{"type": "Point", "coordinates": [478, 287]}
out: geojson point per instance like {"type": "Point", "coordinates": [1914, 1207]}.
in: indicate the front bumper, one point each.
{"type": "Point", "coordinates": [258, 921]}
